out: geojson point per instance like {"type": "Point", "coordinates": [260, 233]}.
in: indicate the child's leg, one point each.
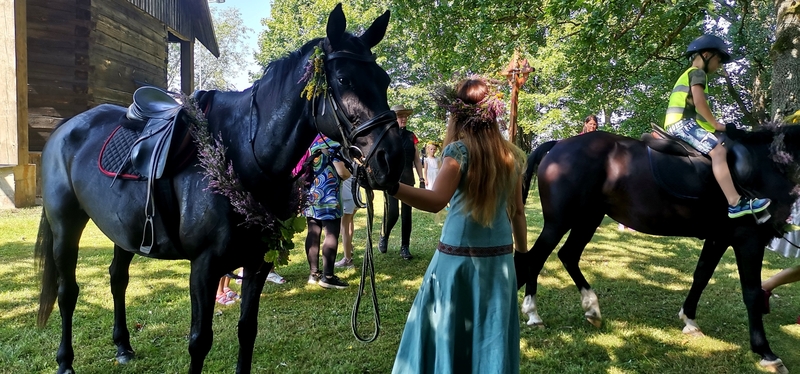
{"type": "Point", "coordinates": [787, 275]}
{"type": "Point", "coordinates": [312, 244]}
{"type": "Point", "coordinates": [719, 164]}
{"type": "Point", "coordinates": [221, 286]}
{"type": "Point", "coordinates": [347, 235]}
{"type": "Point", "coordinates": [330, 244]}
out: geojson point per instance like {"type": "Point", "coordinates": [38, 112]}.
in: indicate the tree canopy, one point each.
{"type": "Point", "coordinates": [615, 58]}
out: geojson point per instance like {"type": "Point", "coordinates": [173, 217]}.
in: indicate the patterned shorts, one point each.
{"type": "Point", "coordinates": [689, 131]}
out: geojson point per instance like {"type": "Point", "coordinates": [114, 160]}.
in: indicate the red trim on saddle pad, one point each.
{"type": "Point", "coordinates": [113, 174]}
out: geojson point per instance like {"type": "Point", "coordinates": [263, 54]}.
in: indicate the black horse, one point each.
{"type": "Point", "coordinates": [583, 178]}
{"type": "Point", "coordinates": [266, 130]}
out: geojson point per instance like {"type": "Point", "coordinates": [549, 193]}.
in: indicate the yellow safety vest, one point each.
{"type": "Point", "coordinates": [677, 103]}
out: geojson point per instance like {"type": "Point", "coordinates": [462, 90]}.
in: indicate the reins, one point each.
{"type": "Point", "coordinates": [368, 265]}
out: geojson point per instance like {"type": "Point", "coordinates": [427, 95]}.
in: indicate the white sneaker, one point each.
{"type": "Point", "coordinates": [344, 263]}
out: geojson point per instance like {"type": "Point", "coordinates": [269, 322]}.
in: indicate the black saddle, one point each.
{"type": "Point", "coordinates": [686, 173]}
{"type": "Point", "coordinates": [156, 117]}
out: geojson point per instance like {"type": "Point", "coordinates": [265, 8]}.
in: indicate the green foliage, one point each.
{"type": "Point", "coordinates": [618, 58]}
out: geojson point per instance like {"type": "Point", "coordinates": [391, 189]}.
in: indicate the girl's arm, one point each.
{"type": "Point", "coordinates": [341, 170]}
{"type": "Point", "coordinates": [425, 169]}
{"type": "Point", "coordinates": [418, 165]}
{"type": "Point", "coordinates": [519, 226]}
{"type": "Point", "coordinates": [701, 106]}
{"type": "Point", "coordinates": [443, 189]}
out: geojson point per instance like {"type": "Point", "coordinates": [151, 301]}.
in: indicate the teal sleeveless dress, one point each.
{"type": "Point", "coordinates": [464, 318]}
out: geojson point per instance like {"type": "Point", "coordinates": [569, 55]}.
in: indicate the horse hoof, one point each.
{"type": "Point", "coordinates": [534, 323]}
{"type": "Point", "coordinates": [692, 330]}
{"type": "Point", "coordinates": [594, 320]}
{"type": "Point", "coordinates": [126, 357]}
{"type": "Point", "coordinates": [776, 366]}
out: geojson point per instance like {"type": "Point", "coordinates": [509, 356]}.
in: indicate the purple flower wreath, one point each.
{"type": "Point", "coordinates": [222, 180]}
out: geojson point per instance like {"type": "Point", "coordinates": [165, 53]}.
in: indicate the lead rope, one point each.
{"type": "Point", "coordinates": [368, 266]}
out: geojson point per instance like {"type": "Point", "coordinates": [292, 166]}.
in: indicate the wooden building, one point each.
{"type": "Point", "coordinates": [67, 56]}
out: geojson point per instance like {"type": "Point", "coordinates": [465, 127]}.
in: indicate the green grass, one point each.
{"type": "Point", "coordinates": [640, 280]}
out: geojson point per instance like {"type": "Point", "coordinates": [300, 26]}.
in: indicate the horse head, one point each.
{"type": "Point", "coordinates": [353, 108]}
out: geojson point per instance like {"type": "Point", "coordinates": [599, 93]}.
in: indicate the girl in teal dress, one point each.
{"type": "Point", "coordinates": [464, 318]}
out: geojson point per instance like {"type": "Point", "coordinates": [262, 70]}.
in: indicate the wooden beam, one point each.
{"type": "Point", "coordinates": [8, 85]}
{"type": "Point", "coordinates": [20, 8]}
{"type": "Point", "coordinates": [187, 67]}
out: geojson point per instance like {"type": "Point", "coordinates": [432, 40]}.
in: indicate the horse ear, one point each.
{"type": "Point", "coordinates": [336, 26]}
{"type": "Point", "coordinates": [376, 31]}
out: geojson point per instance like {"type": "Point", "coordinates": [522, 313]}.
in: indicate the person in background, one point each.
{"type": "Point", "coordinates": [589, 124]}
{"type": "Point", "coordinates": [464, 318]}
{"type": "Point", "coordinates": [349, 209]}
{"type": "Point", "coordinates": [390, 209]}
{"type": "Point", "coordinates": [786, 247]}
{"type": "Point", "coordinates": [324, 212]}
{"type": "Point", "coordinates": [430, 168]}
{"type": "Point", "coordinates": [225, 295]}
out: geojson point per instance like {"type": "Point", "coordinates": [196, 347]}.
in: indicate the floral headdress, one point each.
{"type": "Point", "coordinates": [482, 114]}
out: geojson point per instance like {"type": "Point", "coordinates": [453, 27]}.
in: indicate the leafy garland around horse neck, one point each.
{"type": "Point", "coordinates": [222, 180]}
{"type": "Point", "coordinates": [314, 75]}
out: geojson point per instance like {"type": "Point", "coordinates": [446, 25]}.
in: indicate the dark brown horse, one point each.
{"type": "Point", "coordinates": [266, 129]}
{"type": "Point", "coordinates": [583, 178]}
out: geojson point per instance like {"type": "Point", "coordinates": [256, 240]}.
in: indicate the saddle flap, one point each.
{"type": "Point", "coordinates": [149, 153]}
{"type": "Point", "coordinates": [683, 177]}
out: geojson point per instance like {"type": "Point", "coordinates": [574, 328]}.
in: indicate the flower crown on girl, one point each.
{"type": "Point", "coordinates": [484, 113]}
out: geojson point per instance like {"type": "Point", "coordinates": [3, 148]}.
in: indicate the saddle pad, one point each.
{"type": "Point", "coordinates": [681, 176]}
{"type": "Point", "coordinates": [114, 160]}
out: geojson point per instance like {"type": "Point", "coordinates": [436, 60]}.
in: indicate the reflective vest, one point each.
{"type": "Point", "coordinates": [678, 110]}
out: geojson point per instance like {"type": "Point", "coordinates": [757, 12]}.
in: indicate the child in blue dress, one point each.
{"type": "Point", "coordinates": [464, 318]}
{"type": "Point", "coordinates": [325, 212]}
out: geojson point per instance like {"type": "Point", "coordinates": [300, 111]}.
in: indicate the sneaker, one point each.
{"type": "Point", "coordinates": [224, 299]}
{"type": "Point", "coordinates": [231, 294]}
{"type": "Point", "coordinates": [405, 253]}
{"type": "Point", "coordinates": [383, 244]}
{"type": "Point", "coordinates": [344, 263]}
{"type": "Point", "coordinates": [747, 206]}
{"type": "Point", "coordinates": [313, 278]}
{"type": "Point", "coordinates": [332, 282]}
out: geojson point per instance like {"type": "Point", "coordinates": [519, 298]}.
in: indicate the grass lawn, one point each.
{"type": "Point", "coordinates": [640, 280]}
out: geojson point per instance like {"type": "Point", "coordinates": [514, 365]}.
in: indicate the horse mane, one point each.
{"type": "Point", "coordinates": [284, 73]}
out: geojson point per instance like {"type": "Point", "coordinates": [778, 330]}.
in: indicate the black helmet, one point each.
{"type": "Point", "coordinates": [709, 42]}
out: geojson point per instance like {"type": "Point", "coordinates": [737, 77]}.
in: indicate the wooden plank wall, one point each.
{"type": "Point", "coordinates": [127, 47]}
{"type": "Point", "coordinates": [8, 85]}
{"type": "Point", "coordinates": [82, 53]}
{"type": "Point", "coordinates": [58, 64]}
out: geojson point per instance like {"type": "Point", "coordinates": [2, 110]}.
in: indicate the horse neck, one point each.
{"type": "Point", "coordinates": [264, 141]}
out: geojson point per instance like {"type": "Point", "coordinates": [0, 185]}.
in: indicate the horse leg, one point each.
{"type": "Point", "coordinates": [749, 255]}
{"type": "Point", "coordinates": [709, 259]}
{"type": "Point", "coordinates": [248, 318]}
{"type": "Point", "coordinates": [202, 288]}
{"type": "Point", "coordinates": [119, 284]}
{"type": "Point", "coordinates": [529, 265]}
{"type": "Point", "coordinates": [570, 255]}
{"type": "Point", "coordinates": [66, 236]}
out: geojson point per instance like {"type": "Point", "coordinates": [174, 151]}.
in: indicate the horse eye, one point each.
{"type": "Point", "coordinates": [344, 81]}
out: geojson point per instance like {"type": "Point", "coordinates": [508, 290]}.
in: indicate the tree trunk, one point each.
{"type": "Point", "coordinates": [786, 60]}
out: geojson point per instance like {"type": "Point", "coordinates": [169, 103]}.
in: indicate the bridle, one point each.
{"type": "Point", "coordinates": [348, 130]}
{"type": "Point", "coordinates": [357, 163]}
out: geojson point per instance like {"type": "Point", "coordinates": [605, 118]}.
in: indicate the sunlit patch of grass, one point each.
{"type": "Point", "coordinates": [641, 282]}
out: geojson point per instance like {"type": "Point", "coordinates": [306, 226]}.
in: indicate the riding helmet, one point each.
{"type": "Point", "coordinates": [709, 42]}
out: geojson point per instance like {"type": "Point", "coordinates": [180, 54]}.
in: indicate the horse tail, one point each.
{"type": "Point", "coordinates": [46, 265]}
{"type": "Point", "coordinates": [534, 159]}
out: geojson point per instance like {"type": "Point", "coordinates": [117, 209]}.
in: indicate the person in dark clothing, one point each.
{"type": "Point", "coordinates": [390, 207]}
